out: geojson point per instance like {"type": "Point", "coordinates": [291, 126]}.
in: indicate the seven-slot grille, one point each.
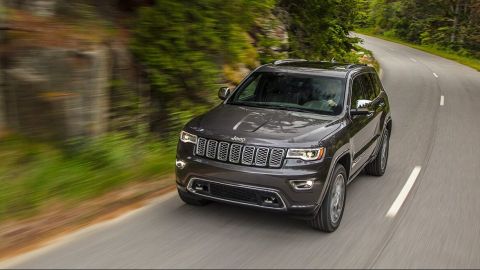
{"type": "Point", "coordinates": [241, 154]}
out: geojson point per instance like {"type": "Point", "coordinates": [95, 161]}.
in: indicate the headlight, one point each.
{"type": "Point", "coordinates": [188, 138]}
{"type": "Point", "coordinates": [306, 154]}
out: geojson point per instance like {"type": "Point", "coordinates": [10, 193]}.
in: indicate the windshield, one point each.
{"type": "Point", "coordinates": [296, 92]}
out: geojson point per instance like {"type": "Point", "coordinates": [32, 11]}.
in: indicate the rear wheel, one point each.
{"type": "Point", "coordinates": [330, 214]}
{"type": "Point", "coordinates": [378, 166]}
{"type": "Point", "coordinates": [189, 199]}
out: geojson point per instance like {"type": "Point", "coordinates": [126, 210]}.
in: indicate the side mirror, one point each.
{"type": "Point", "coordinates": [360, 111]}
{"type": "Point", "coordinates": [363, 103]}
{"type": "Point", "coordinates": [223, 93]}
{"type": "Point", "coordinates": [361, 108]}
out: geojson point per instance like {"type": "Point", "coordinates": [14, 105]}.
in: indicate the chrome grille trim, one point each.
{"type": "Point", "coordinates": [222, 154]}
{"type": "Point", "coordinates": [261, 156]}
{"type": "Point", "coordinates": [211, 148]}
{"type": "Point", "coordinates": [276, 157]}
{"type": "Point", "coordinates": [201, 145]}
{"type": "Point", "coordinates": [235, 153]}
{"type": "Point", "coordinates": [249, 155]}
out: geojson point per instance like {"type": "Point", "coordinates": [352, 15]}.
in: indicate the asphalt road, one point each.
{"type": "Point", "coordinates": [438, 224]}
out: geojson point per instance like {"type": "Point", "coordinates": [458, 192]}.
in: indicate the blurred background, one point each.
{"type": "Point", "coordinates": [93, 94]}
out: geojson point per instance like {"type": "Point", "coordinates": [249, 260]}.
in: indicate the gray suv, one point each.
{"type": "Point", "coordinates": [289, 138]}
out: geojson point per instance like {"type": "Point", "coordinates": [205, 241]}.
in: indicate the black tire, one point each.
{"type": "Point", "coordinates": [324, 220]}
{"type": "Point", "coordinates": [189, 199]}
{"type": "Point", "coordinates": [376, 167]}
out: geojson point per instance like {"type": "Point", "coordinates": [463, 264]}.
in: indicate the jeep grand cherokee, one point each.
{"type": "Point", "coordinates": [290, 138]}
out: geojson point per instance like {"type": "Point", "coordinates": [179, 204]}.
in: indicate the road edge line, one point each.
{"type": "Point", "coordinates": [402, 196]}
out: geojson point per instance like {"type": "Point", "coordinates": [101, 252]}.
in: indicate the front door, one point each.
{"type": "Point", "coordinates": [364, 127]}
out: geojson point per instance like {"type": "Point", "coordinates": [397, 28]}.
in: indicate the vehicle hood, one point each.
{"type": "Point", "coordinates": [262, 125]}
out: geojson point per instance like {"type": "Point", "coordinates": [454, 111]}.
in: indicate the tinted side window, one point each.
{"type": "Point", "coordinates": [376, 83]}
{"type": "Point", "coordinates": [358, 92]}
{"type": "Point", "coordinates": [368, 86]}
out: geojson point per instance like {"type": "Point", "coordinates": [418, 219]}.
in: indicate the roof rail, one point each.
{"type": "Point", "coordinates": [279, 62]}
{"type": "Point", "coordinates": [355, 66]}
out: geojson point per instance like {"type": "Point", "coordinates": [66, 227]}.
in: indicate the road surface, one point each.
{"type": "Point", "coordinates": [425, 211]}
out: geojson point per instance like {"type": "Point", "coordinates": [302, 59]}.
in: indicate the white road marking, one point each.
{"type": "Point", "coordinates": [442, 100]}
{"type": "Point", "coordinates": [413, 60]}
{"type": "Point", "coordinates": [392, 212]}
{"type": "Point", "coordinates": [435, 74]}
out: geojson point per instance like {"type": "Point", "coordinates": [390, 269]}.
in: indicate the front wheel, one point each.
{"type": "Point", "coordinates": [378, 166]}
{"type": "Point", "coordinates": [330, 214]}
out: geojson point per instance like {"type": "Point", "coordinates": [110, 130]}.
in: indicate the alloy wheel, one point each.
{"type": "Point", "coordinates": [338, 198]}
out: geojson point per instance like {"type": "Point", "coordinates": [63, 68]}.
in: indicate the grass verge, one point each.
{"type": "Point", "coordinates": [35, 175]}
{"type": "Point", "coordinates": [465, 60]}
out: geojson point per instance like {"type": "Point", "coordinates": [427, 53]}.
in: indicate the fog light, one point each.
{"type": "Point", "coordinates": [200, 187]}
{"type": "Point", "coordinates": [270, 200]}
{"type": "Point", "coordinates": [180, 164]}
{"type": "Point", "coordinates": [302, 184]}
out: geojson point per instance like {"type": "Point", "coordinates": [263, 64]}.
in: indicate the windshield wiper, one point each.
{"type": "Point", "coordinates": [274, 106]}
{"type": "Point", "coordinates": [289, 108]}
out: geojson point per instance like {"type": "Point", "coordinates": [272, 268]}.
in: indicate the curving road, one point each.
{"type": "Point", "coordinates": [438, 224]}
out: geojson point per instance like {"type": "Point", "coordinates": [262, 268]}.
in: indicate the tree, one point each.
{"type": "Point", "coordinates": [451, 24]}
{"type": "Point", "coordinates": [319, 29]}
{"type": "Point", "coordinates": [184, 43]}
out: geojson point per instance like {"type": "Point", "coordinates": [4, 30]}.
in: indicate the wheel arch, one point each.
{"type": "Point", "coordinates": [342, 156]}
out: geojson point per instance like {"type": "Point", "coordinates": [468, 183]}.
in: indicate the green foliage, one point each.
{"type": "Point", "coordinates": [319, 29]}
{"type": "Point", "coordinates": [34, 174]}
{"type": "Point", "coordinates": [451, 25]}
{"type": "Point", "coordinates": [186, 46]}
{"type": "Point", "coordinates": [271, 37]}
{"type": "Point", "coordinates": [362, 18]}
{"type": "Point", "coordinates": [184, 43]}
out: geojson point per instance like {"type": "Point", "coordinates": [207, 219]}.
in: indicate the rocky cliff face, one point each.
{"type": "Point", "coordinates": [57, 93]}
{"type": "Point", "coordinates": [54, 82]}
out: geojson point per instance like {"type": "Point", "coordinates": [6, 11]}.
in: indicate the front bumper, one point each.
{"type": "Point", "coordinates": [254, 181]}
